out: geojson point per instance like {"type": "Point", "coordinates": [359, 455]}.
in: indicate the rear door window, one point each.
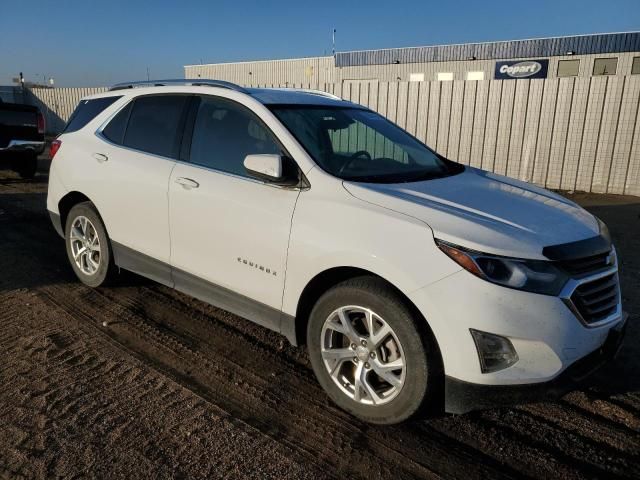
{"type": "Point", "coordinates": [86, 111]}
{"type": "Point", "coordinates": [155, 124]}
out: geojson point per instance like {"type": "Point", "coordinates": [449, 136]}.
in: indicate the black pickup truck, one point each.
{"type": "Point", "coordinates": [21, 137]}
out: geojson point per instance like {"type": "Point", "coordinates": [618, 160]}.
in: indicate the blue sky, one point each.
{"type": "Point", "coordinates": [88, 43]}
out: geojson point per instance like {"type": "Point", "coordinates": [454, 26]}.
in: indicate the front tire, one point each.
{"type": "Point", "coordinates": [88, 246]}
{"type": "Point", "coordinates": [368, 352]}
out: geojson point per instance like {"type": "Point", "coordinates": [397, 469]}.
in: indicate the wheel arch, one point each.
{"type": "Point", "coordinates": [328, 278]}
{"type": "Point", "coordinates": [66, 203]}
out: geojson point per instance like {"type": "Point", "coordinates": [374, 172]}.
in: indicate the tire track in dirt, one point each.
{"type": "Point", "coordinates": [177, 358]}
{"type": "Point", "coordinates": [604, 410]}
{"type": "Point", "coordinates": [53, 403]}
{"type": "Point", "coordinates": [589, 458]}
{"type": "Point", "coordinates": [310, 402]}
{"type": "Point", "coordinates": [569, 420]}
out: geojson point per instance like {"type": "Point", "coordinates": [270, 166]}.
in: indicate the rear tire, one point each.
{"type": "Point", "coordinates": [26, 165]}
{"type": "Point", "coordinates": [88, 246]}
{"type": "Point", "coordinates": [356, 368]}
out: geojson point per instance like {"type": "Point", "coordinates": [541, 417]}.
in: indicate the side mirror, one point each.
{"type": "Point", "coordinates": [266, 167]}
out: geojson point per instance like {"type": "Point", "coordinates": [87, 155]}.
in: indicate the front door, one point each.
{"type": "Point", "coordinates": [229, 231]}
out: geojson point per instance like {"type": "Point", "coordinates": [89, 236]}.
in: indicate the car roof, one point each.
{"type": "Point", "coordinates": [291, 96]}
{"type": "Point", "coordinates": [266, 96]}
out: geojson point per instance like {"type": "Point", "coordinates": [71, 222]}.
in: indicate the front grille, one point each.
{"type": "Point", "coordinates": [597, 299]}
{"type": "Point", "coordinates": [585, 265]}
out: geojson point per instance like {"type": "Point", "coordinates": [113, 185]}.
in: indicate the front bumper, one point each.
{"type": "Point", "coordinates": [462, 397]}
{"type": "Point", "coordinates": [544, 331]}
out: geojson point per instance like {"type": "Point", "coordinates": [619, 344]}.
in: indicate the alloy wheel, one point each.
{"type": "Point", "coordinates": [363, 355]}
{"type": "Point", "coordinates": [85, 245]}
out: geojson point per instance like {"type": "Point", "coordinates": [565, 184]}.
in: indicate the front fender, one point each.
{"type": "Point", "coordinates": [332, 229]}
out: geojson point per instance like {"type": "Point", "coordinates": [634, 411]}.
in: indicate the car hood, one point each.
{"type": "Point", "coordinates": [486, 212]}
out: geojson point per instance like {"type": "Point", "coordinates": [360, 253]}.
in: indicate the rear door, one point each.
{"type": "Point", "coordinates": [133, 164]}
{"type": "Point", "coordinates": [229, 231]}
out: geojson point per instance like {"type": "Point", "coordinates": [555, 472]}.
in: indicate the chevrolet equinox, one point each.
{"type": "Point", "coordinates": [414, 281]}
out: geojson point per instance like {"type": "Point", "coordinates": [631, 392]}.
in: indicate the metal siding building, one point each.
{"type": "Point", "coordinates": [314, 70]}
{"type": "Point", "coordinates": [398, 64]}
{"type": "Point", "coordinates": [513, 49]}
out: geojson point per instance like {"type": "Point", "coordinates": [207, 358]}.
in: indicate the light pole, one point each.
{"type": "Point", "coordinates": [333, 41]}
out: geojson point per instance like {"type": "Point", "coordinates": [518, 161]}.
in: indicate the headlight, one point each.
{"type": "Point", "coordinates": [536, 276]}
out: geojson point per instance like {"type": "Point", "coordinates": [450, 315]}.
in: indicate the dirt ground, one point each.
{"type": "Point", "coordinates": [138, 381]}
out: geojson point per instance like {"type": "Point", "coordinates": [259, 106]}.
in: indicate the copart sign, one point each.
{"type": "Point", "coordinates": [521, 69]}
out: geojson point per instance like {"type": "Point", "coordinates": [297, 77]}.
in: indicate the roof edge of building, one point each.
{"type": "Point", "coordinates": [489, 42]}
{"type": "Point", "coordinates": [321, 57]}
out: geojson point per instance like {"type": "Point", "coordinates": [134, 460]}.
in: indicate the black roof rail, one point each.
{"type": "Point", "coordinates": [195, 82]}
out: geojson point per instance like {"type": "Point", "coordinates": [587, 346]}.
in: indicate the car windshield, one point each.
{"type": "Point", "coordinates": [360, 145]}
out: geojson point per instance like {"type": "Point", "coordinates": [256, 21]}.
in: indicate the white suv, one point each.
{"type": "Point", "coordinates": [413, 280]}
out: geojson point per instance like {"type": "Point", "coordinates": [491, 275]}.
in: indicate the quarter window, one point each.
{"type": "Point", "coordinates": [568, 68]}
{"type": "Point", "coordinates": [225, 133]}
{"type": "Point", "coordinates": [86, 111]}
{"type": "Point", "coordinates": [154, 124]}
{"type": "Point", "coordinates": [605, 66]}
{"type": "Point", "coordinates": [114, 131]}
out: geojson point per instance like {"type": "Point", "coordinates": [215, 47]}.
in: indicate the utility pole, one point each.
{"type": "Point", "coordinates": [147, 74]}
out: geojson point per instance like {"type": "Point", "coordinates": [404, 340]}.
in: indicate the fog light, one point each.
{"type": "Point", "coordinates": [495, 352]}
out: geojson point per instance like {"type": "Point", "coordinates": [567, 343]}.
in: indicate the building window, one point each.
{"type": "Point", "coordinates": [445, 76]}
{"type": "Point", "coordinates": [568, 68]}
{"type": "Point", "coordinates": [416, 77]}
{"type": "Point", "coordinates": [475, 75]}
{"type": "Point", "coordinates": [635, 66]}
{"type": "Point", "coordinates": [605, 66]}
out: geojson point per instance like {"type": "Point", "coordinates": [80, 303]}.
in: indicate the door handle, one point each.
{"type": "Point", "coordinates": [100, 157]}
{"type": "Point", "coordinates": [187, 183]}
